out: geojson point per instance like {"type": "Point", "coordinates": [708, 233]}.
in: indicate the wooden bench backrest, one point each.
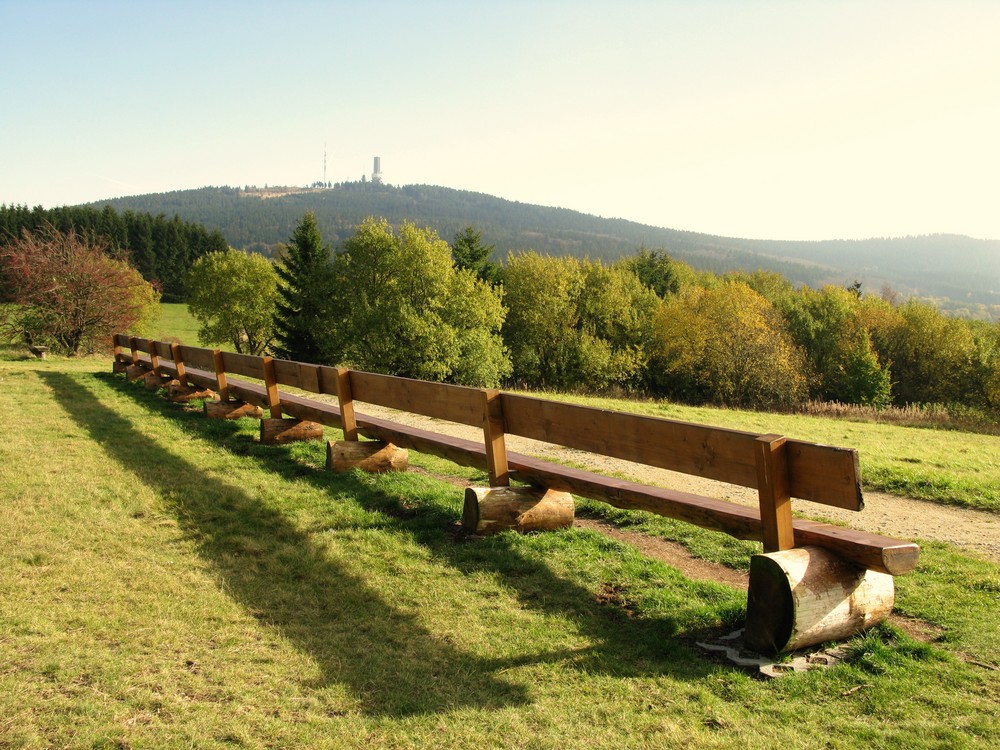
{"type": "Point", "coordinates": [819, 473]}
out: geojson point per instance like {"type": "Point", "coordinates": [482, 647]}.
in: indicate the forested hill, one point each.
{"type": "Point", "coordinates": [965, 270]}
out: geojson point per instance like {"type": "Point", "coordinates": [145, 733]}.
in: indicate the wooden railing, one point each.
{"type": "Point", "coordinates": [779, 468]}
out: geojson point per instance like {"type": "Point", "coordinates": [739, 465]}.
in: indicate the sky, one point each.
{"type": "Point", "coordinates": [773, 120]}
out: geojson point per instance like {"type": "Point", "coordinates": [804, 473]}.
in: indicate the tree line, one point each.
{"type": "Point", "coordinates": [162, 249]}
{"type": "Point", "coordinates": [406, 302]}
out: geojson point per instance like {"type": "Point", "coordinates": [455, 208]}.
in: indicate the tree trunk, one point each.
{"type": "Point", "coordinates": [373, 456]}
{"type": "Point", "coordinates": [804, 596]}
{"type": "Point", "coordinates": [289, 431]}
{"type": "Point", "coordinates": [492, 509]}
{"type": "Point", "coordinates": [232, 410]}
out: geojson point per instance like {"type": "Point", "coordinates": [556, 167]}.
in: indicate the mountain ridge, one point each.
{"type": "Point", "coordinates": [959, 272]}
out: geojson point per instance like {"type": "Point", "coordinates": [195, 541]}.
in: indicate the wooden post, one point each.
{"type": "Point", "coordinates": [772, 490]}
{"type": "Point", "coordinates": [154, 359]}
{"type": "Point", "coordinates": [271, 385]}
{"type": "Point", "coordinates": [135, 351]}
{"type": "Point", "coordinates": [175, 354]}
{"type": "Point", "coordinates": [493, 434]}
{"type": "Point", "coordinates": [346, 399]}
{"type": "Point", "coordinates": [118, 365]}
{"type": "Point", "coordinates": [221, 384]}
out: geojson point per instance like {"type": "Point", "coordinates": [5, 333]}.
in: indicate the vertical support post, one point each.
{"type": "Point", "coordinates": [221, 384]}
{"type": "Point", "coordinates": [346, 399]}
{"type": "Point", "coordinates": [271, 385]}
{"type": "Point", "coordinates": [175, 355]}
{"type": "Point", "coordinates": [117, 348]}
{"type": "Point", "coordinates": [772, 489]}
{"type": "Point", "coordinates": [154, 358]}
{"type": "Point", "coordinates": [135, 350]}
{"type": "Point", "coordinates": [493, 434]}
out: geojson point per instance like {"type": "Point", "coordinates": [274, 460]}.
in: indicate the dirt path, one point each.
{"type": "Point", "coordinates": [901, 517]}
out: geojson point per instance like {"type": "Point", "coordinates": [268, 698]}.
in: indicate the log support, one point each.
{"type": "Point", "coordinates": [808, 595]}
{"type": "Point", "coordinates": [155, 380]}
{"type": "Point", "coordinates": [181, 394]}
{"type": "Point", "coordinates": [489, 510]}
{"type": "Point", "coordinates": [232, 410]}
{"type": "Point", "coordinates": [273, 431]}
{"type": "Point", "coordinates": [373, 456]}
{"type": "Point", "coordinates": [135, 372]}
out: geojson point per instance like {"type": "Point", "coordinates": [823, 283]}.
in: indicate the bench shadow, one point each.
{"type": "Point", "coordinates": [623, 645]}
{"type": "Point", "coordinates": [392, 664]}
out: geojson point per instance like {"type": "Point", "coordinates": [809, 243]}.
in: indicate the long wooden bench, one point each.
{"type": "Point", "coordinates": [779, 468]}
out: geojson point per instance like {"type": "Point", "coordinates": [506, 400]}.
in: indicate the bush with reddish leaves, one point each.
{"type": "Point", "coordinates": [68, 293]}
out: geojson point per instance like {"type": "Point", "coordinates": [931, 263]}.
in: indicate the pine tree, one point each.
{"type": "Point", "coordinates": [303, 294]}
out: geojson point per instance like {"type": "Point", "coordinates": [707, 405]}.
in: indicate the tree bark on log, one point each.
{"type": "Point", "coordinates": [232, 410]}
{"type": "Point", "coordinates": [274, 431]}
{"type": "Point", "coordinates": [808, 595]}
{"type": "Point", "coordinates": [489, 510]}
{"type": "Point", "coordinates": [373, 456]}
{"type": "Point", "coordinates": [181, 394]}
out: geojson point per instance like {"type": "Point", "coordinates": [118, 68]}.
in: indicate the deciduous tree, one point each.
{"type": "Point", "coordinates": [69, 294]}
{"type": "Point", "coordinates": [727, 345]}
{"type": "Point", "coordinates": [233, 296]}
{"type": "Point", "coordinates": [404, 309]}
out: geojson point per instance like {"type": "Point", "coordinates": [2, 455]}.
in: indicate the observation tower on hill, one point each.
{"type": "Point", "coordinates": [377, 171]}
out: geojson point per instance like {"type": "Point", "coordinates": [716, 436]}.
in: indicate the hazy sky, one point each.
{"type": "Point", "coordinates": [784, 119]}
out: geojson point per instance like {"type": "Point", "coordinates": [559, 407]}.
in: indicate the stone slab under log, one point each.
{"type": "Point", "coordinates": [807, 595]}
{"type": "Point", "coordinates": [232, 410]}
{"type": "Point", "coordinates": [181, 394]}
{"type": "Point", "coordinates": [273, 431]}
{"type": "Point", "coordinates": [489, 510]}
{"type": "Point", "coordinates": [373, 456]}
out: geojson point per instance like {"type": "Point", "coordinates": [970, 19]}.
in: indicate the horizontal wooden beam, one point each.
{"type": "Point", "coordinates": [454, 403]}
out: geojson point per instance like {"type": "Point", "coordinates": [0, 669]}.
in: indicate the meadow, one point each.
{"type": "Point", "coordinates": [167, 581]}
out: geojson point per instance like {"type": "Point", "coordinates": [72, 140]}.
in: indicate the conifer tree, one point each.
{"type": "Point", "coordinates": [303, 294]}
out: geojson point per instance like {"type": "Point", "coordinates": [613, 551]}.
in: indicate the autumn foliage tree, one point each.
{"type": "Point", "coordinates": [68, 293]}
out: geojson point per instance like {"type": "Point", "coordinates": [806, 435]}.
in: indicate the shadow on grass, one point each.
{"type": "Point", "coordinates": [393, 664]}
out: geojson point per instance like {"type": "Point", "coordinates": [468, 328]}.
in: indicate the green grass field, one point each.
{"type": "Point", "coordinates": [165, 581]}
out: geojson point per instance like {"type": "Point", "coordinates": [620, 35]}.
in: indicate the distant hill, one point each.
{"type": "Point", "coordinates": [960, 272]}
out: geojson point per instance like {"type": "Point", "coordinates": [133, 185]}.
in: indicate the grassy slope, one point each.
{"type": "Point", "coordinates": [165, 581]}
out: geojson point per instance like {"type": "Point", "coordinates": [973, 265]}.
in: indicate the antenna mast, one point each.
{"type": "Point", "coordinates": [324, 164]}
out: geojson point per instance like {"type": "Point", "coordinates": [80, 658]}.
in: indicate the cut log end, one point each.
{"type": "Point", "coordinates": [489, 510]}
{"type": "Point", "coordinates": [274, 431]}
{"type": "Point", "coordinates": [808, 595]}
{"type": "Point", "coordinates": [373, 456]}
{"type": "Point", "coordinates": [232, 410]}
{"type": "Point", "coordinates": [135, 372]}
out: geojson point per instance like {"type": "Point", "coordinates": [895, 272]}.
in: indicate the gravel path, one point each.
{"type": "Point", "coordinates": [900, 517]}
